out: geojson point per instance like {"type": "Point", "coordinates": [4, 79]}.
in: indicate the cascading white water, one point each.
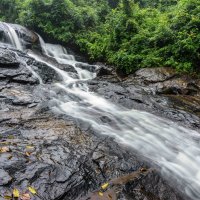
{"type": "Point", "coordinates": [61, 55]}
{"type": "Point", "coordinates": [174, 148]}
{"type": "Point", "coordinates": [14, 39]}
{"type": "Point", "coordinates": [56, 51]}
{"type": "Point", "coordinates": [42, 44]}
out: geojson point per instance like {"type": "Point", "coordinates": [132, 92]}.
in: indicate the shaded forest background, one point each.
{"type": "Point", "coordinates": [126, 33]}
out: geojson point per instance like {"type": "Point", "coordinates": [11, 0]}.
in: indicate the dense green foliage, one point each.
{"type": "Point", "coordinates": [129, 34]}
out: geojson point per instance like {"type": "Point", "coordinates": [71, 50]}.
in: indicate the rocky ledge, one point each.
{"type": "Point", "coordinates": [62, 159]}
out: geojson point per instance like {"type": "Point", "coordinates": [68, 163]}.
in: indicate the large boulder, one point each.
{"type": "Point", "coordinates": [156, 74]}
{"type": "Point", "coordinates": [182, 85]}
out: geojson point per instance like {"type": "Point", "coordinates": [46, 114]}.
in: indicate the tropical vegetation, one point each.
{"type": "Point", "coordinates": [126, 33]}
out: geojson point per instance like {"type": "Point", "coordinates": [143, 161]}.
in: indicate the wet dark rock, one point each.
{"type": "Point", "coordinates": [19, 71]}
{"type": "Point", "coordinates": [66, 162]}
{"type": "Point", "coordinates": [68, 68]}
{"type": "Point", "coordinates": [47, 74]}
{"type": "Point", "coordinates": [121, 73]}
{"type": "Point", "coordinates": [12, 70]}
{"type": "Point", "coordinates": [3, 119]}
{"type": "Point", "coordinates": [150, 187]}
{"type": "Point", "coordinates": [104, 70]}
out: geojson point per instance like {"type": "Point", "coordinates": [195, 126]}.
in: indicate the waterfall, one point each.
{"type": "Point", "coordinates": [14, 39]}
{"type": "Point", "coordinates": [175, 149]}
{"type": "Point", "coordinates": [43, 45]}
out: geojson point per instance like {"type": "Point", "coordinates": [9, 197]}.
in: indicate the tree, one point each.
{"type": "Point", "coordinates": [126, 7]}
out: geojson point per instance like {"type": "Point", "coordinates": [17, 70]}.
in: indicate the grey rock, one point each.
{"type": "Point", "coordinates": [5, 178]}
{"type": "Point", "coordinates": [156, 74]}
{"type": "Point", "coordinates": [8, 58]}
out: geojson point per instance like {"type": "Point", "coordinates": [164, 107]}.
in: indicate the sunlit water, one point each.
{"type": "Point", "coordinates": [174, 148]}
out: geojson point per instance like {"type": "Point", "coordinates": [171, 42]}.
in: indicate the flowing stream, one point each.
{"type": "Point", "coordinates": [175, 149]}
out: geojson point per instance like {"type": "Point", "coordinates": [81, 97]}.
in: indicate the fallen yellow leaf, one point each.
{"type": "Point", "coordinates": [32, 190]}
{"type": "Point", "coordinates": [29, 147]}
{"type": "Point", "coordinates": [16, 193]}
{"type": "Point", "coordinates": [104, 186]}
{"type": "Point", "coordinates": [28, 154]}
{"type": "Point", "coordinates": [100, 194]}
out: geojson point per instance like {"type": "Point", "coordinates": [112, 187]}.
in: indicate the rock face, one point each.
{"type": "Point", "coordinates": [62, 159]}
{"type": "Point", "coordinates": [167, 81]}
{"type": "Point", "coordinates": [154, 75]}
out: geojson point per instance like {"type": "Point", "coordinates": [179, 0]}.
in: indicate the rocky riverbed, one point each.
{"type": "Point", "coordinates": [64, 158]}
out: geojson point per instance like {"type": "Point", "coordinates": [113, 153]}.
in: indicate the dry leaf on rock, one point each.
{"type": "Point", "coordinates": [105, 186]}
{"type": "Point", "coordinates": [28, 154]}
{"type": "Point", "coordinates": [30, 147]}
{"type": "Point", "coordinates": [16, 193]}
{"type": "Point", "coordinates": [32, 190]}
